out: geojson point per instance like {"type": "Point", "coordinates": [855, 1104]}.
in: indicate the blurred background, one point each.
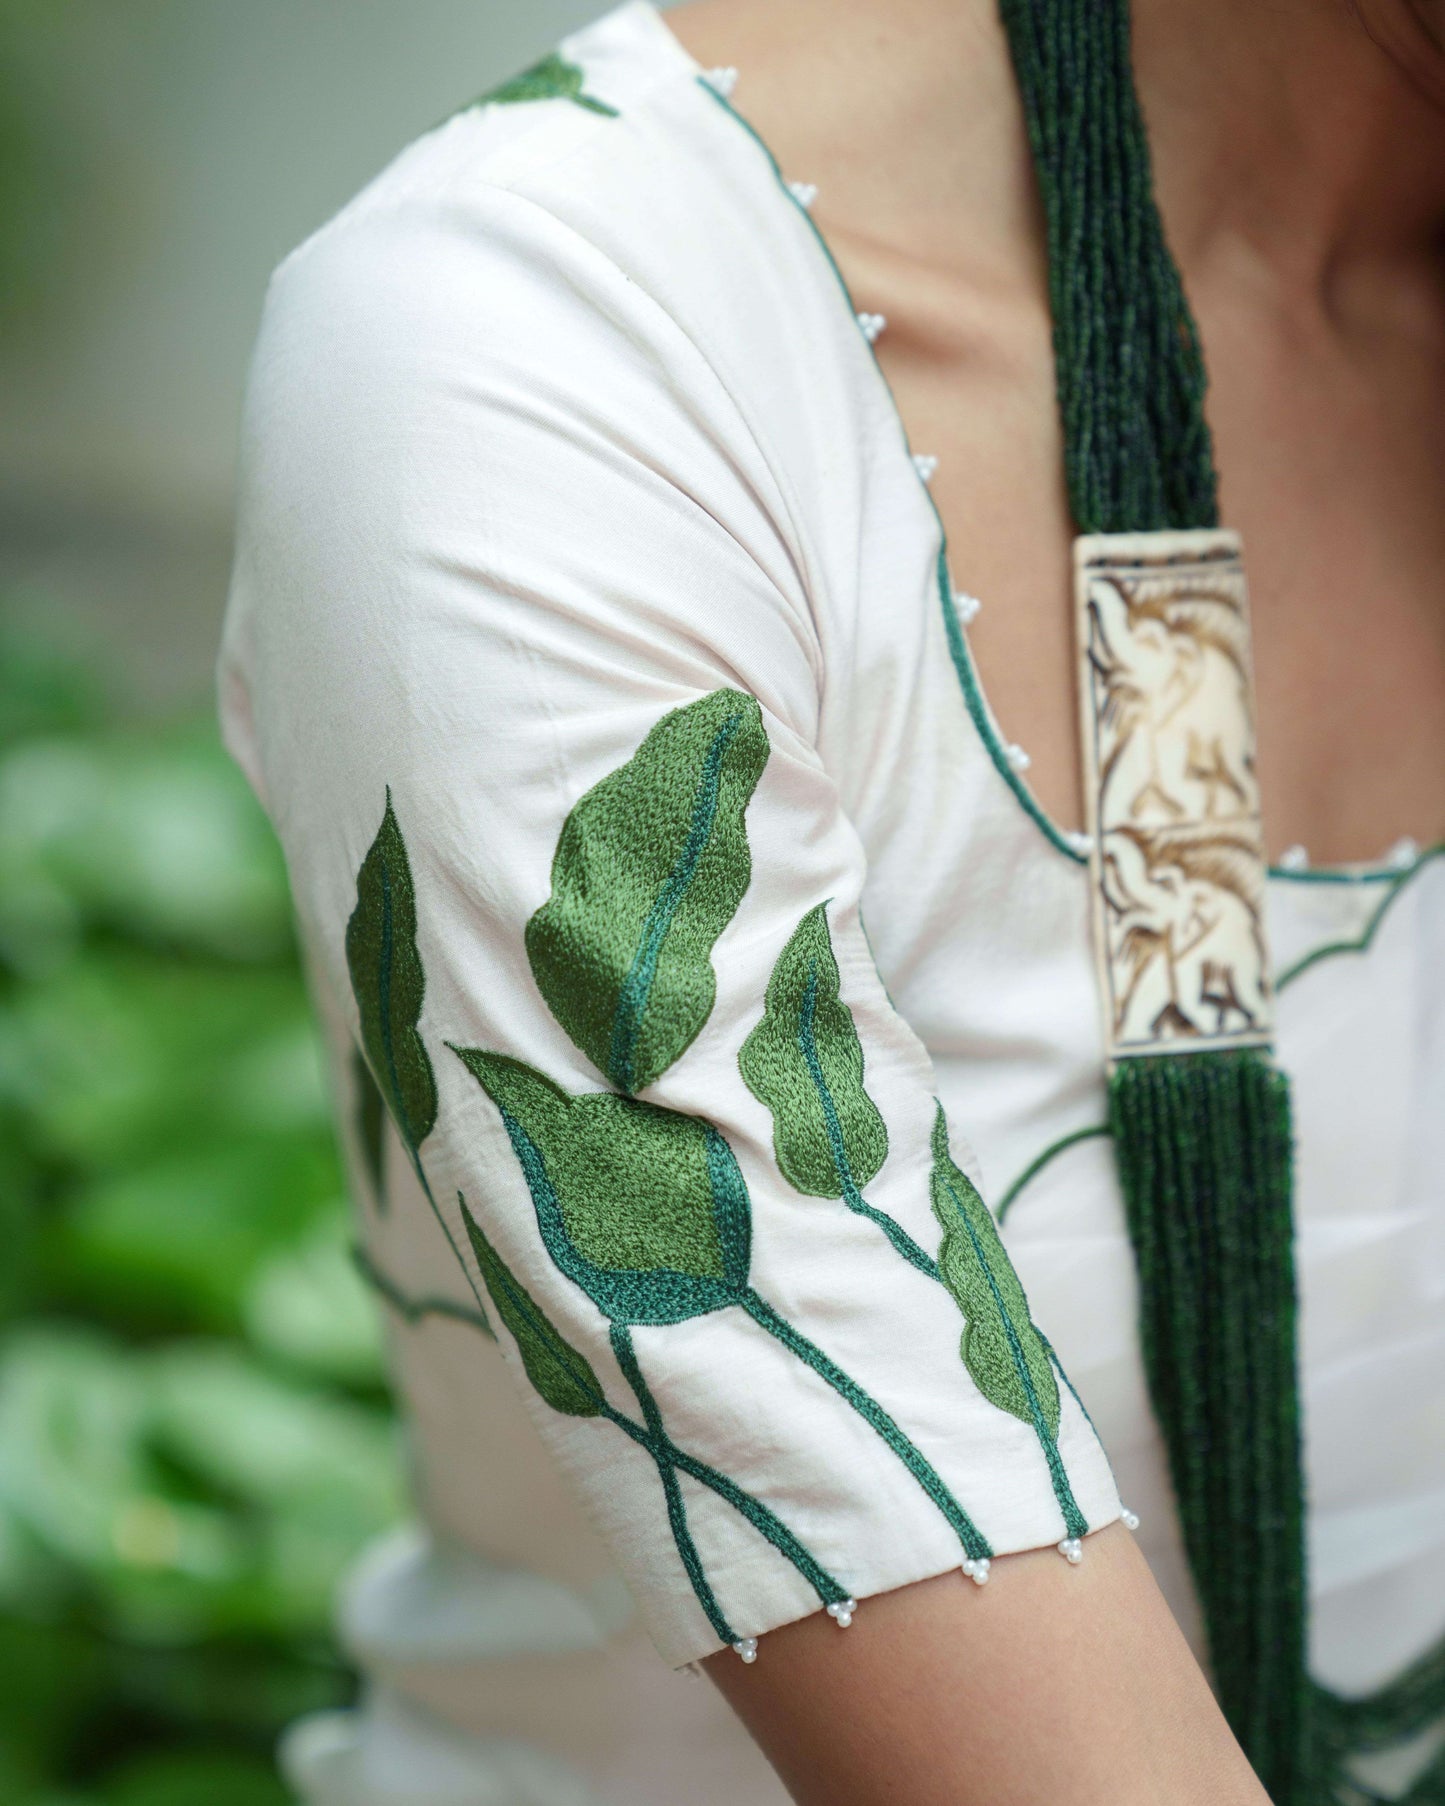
{"type": "Point", "coordinates": [195, 1437]}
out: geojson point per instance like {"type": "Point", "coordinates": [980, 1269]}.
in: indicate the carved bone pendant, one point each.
{"type": "Point", "coordinates": [1177, 851]}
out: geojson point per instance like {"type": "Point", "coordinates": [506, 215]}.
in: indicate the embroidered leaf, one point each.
{"type": "Point", "coordinates": [644, 1208]}
{"type": "Point", "coordinates": [370, 1120]}
{"type": "Point", "coordinates": [387, 980]}
{"type": "Point", "coordinates": [1001, 1348]}
{"type": "Point", "coordinates": [562, 1375]}
{"type": "Point", "coordinates": [805, 1063]}
{"type": "Point", "coordinates": [650, 868]}
{"type": "Point", "coordinates": [554, 78]}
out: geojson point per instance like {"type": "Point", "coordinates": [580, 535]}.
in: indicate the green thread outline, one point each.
{"type": "Point", "coordinates": [386, 952]}
{"type": "Point", "coordinates": [632, 999]}
{"type": "Point", "coordinates": [964, 668]}
{"type": "Point", "coordinates": [414, 1310]}
{"type": "Point", "coordinates": [1040, 1161]}
{"type": "Point", "coordinates": [762, 1313]}
{"type": "Point", "coordinates": [657, 1441]}
{"type": "Point", "coordinates": [957, 645]}
{"type": "Point", "coordinates": [1365, 872]}
{"type": "Point", "coordinates": [682, 1536]}
{"type": "Point", "coordinates": [1075, 1523]}
{"type": "Point", "coordinates": [1052, 1353]}
{"type": "Point", "coordinates": [852, 1196]}
{"type": "Point", "coordinates": [1363, 941]}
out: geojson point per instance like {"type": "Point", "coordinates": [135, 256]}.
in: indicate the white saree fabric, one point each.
{"type": "Point", "coordinates": [563, 424]}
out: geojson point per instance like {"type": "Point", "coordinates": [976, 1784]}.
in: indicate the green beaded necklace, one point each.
{"type": "Point", "coordinates": [1199, 1115]}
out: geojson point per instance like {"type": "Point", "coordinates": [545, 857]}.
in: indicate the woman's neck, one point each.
{"type": "Point", "coordinates": [1281, 131]}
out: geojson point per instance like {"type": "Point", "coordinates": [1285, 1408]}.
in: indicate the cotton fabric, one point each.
{"type": "Point", "coordinates": [563, 423]}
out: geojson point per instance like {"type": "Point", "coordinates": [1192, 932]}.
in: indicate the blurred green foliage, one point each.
{"type": "Point", "coordinates": [194, 1433]}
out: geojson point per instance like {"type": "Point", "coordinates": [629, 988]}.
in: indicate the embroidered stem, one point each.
{"type": "Point", "coordinates": [852, 1197]}
{"type": "Point", "coordinates": [1075, 1523]}
{"type": "Point", "coordinates": [445, 1227]}
{"type": "Point", "coordinates": [390, 849]}
{"type": "Point", "coordinates": [872, 1413]}
{"type": "Point", "coordinates": [415, 1309]}
{"type": "Point", "coordinates": [1059, 1369]}
{"type": "Point", "coordinates": [1036, 1166]}
{"type": "Point", "coordinates": [658, 1447]}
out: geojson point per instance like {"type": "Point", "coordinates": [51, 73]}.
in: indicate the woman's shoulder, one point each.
{"type": "Point", "coordinates": [614, 178]}
{"type": "Point", "coordinates": [594, 170]}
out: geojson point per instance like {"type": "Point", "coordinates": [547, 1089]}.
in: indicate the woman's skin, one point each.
{"type": "Point", "coordinates": [1301, 175]}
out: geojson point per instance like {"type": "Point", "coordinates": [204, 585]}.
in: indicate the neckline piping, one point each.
{"type": "Point", "coordinates": [1069, 843]}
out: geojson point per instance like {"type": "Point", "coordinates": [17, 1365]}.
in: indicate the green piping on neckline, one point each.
{"type": "Point", "coordinates": [1362, 941]}
{"type": "Point", "coordinates": [1361, 874]}
{"type": "Point", "coordinates": [963, 665]}
{"type": "Point", "coordinates": [957, 644]}
{"type": "Point", "coordinates": [978, 709]}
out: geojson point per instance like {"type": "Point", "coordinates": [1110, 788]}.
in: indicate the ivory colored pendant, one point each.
{"type": "Point", "coordinates": [1177, 856]}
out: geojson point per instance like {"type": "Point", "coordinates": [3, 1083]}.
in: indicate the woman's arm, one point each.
{"type": "Point", "coordinates": [1062, 1687]}
{"type": "Point", "coordinates": [525, 657]}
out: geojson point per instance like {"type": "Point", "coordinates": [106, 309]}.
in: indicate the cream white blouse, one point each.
{"type": "Point", "coordinates": [593, 648]}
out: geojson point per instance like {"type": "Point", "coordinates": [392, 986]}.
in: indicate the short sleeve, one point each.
{"type": "Point", "coordinates": [524, 659]}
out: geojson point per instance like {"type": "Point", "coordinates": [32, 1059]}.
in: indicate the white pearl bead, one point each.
{"type": "Point", "coordinates": [747, 1648]}
{"type": "Point", "coordinates": [1072, 1550]}
{"type": "Point", "coordinates": [1403, 854]}
{"type": "Point", "coordinates": [1017, 757]}
{"type": "Point", "coordinates": [804, 193]}
{"type": "Point", "coordinates": [1129, 1518]}
{"type": "Point", "coordinates": [925, 464]}
{"type": "Point", "coordinates": [1294, 859]}
{"type": "Point", "coordinates": [723, 81]}
{"type": "Point", "coordinates": [872, 325]}
{"type": "Point", "coordinates": [966, 607]}
{"type": "Point", "coordinates": [1080, 843]}
{"type": "Point", "coordinates": [976, 1569]}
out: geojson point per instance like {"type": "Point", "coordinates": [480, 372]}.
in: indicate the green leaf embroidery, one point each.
{"type": "Point", "coordinates": [370, 1121]}
{"type": "Point", "coordinates": [1000, 1347]}
{"type": "Point", "coordinates": [643, 1208]}
{"type": "Point", "coordinates": [387, 981]}
{"type": "Point", "coordinates": [646, 1211]}
{"type": "Point", "coordinates": [562, 1375]}
{"type": "Point", "coordinates": [554, 78]}
{"type": "Point", "coordinates": [805, 1063]}
{"type": "Point", "coordinates": [650, 868]}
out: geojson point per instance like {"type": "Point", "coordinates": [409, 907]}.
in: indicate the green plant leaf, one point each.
{"type": "Point", "coordinates": [642, 1207]}
{"type": "Point", "coordinates": [650, 868]}
{"type": "Point", "coordinates": [562, 1375]}
{"type": "Point", "coordinates": [805, 1063]}
{"type": "Point", "coordinates": [370, 1121]}
{"type": "Point", "coordinates": [388, 982]}
{"type": "Point", "coordinates": [1001, 1348]}
{"type": "Point", "coordinates": [553, 78]}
